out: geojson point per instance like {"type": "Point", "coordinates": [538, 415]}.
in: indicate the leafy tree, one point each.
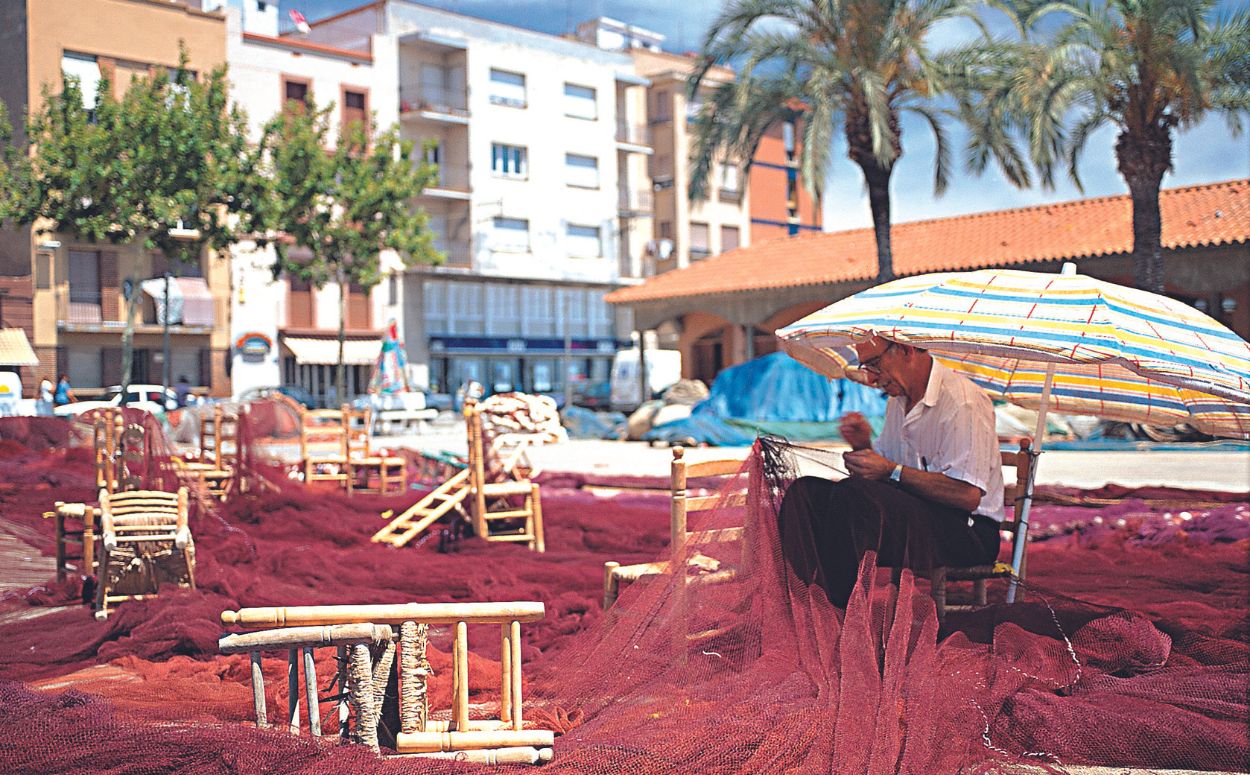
{"type": "Point", "coordinates": [186, 170]}
{"type": "Point", "coordinates": [342, 205]}
{"type": "Point", "coordinates": [1145, 67]}
{"type": "Point", "coordinates": [167, 165]}
{"type": "Point", "coordinates": [858, 63]}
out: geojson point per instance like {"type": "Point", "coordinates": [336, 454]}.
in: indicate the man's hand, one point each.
{"type": "Point", "coordinates": [868, 464]}
{"type": "Point", "coordinates": [855, 430]}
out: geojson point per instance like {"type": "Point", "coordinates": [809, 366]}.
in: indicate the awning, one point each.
{"type": "Point", "coordinates": [191, 303]}
{"type": "Point", "coordinates": [15, 348]}
{"type": "Point", "coordinates": [324, 351]}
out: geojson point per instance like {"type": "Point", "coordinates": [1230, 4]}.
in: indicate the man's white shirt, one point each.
{"type": "Point", "coordinates": [950, 431]}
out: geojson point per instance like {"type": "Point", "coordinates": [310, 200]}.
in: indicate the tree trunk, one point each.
{"type": "Point", "coordinates": [876, 175]}
{"type": "Point", "coordinates": [878, 180]}
{"type": "Point", "coordinates": [1144, 155]}
{"type": "Point", "coordinates": [1147, 231]}
{"type": "Point", "coordinates": [340, 380]}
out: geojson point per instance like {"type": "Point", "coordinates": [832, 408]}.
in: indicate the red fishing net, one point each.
{"type": "Point", "coordinates": [1130, 646]}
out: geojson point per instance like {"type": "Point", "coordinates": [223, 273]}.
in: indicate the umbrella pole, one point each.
{"type": "Point", "coordinates": [1026, 503]}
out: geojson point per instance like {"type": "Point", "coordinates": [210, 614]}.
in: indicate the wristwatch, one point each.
{"type": "Point", "coordinates": [897, 474]}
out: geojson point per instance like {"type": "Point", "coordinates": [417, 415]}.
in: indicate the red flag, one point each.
{"type": "Point", "coordinates": [301, 23]}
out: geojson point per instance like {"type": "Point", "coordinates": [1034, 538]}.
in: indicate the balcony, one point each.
{"type": "Point", "coordinates": [633, 137]}
{"type": "Point", "coordinates": [729, 195]}
{"type": "Point", "coordinates": [79, 309]}
{"type": "Point", "coordinates": [195, 310]}
{"type": "Point", "coordinates": [452, 183]}
{"type": "Point", "coordinates": [698, 252]}
{"type": "Point", "coordinates": [456, 254]}
{"type": "Point", "coordinates": [635, 203]}
{"type": "Point", "coordinates": [436, 104]}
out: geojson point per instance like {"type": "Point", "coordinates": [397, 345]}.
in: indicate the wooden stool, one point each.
{"type": "Point", "coordinates": [502, 740]}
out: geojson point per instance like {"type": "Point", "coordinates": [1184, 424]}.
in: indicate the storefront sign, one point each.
{"type": "Point", "coordinates": [253, 347]}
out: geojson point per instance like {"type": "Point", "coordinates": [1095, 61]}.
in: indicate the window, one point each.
{"type": "Point", "coordinates": [699, 247]}
{"type": "Point", "coordinates": [730, 178]}
{"type": "Point", "coordinates": [84, 276]}
{"type": "Point", "coordinates": [508, 161]}
{"type": "Point", "coordinates": [579, 102]}
{"type": "Point", "coordinates": [661, 106]}
{"type": "Point", "coordinates": [355, 109]}
{"type": "Point", "coordinates": [507, 88]}
{"type": "Point", "coordinates": [581, 171]}
{"type": "Point", "coordinates": [295, 90]}
{"type": "Point", "coordinates": [666, 230]}
{"type": "Point", "coordinates": [392, 290]}
{"type": "Point", "coordinates": [693, 109]}
{"type": "Point", "coordinates": [583, 241]}
{"type": "Point", "coordinates": [510, 235]}
{"type": "Point", "coordinates": [728, 238]}
{"type": "Point", "coordinates": [787, 138]}
{"type": "Point", "coordinates": [86, 71]}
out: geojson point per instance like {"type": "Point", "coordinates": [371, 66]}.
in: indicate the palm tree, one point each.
{"type": "Point", "coordinates": [1146, 67]}
{"type": "Point", "coordinates": [860, 63]}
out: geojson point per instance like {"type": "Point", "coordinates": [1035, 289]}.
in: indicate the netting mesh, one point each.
{"type": "Point", "coordinates": [1131, 646]}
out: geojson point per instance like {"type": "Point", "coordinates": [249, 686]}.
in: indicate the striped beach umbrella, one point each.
{"type": "Point", "coordinates": [1059, 342]}
{"type": "Point", "coordinates": [1063, 342]}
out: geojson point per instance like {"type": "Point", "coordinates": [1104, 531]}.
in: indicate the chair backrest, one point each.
{"type": "Point", "coordinates": [683, 504]}
{"type": "Point", "coordinates": [476, 453]}
{"type": "Point", "coordinates": [219, 436]}
{"type": "Point", "coordinates": [144, 510]}
{"type": "Point", "coordinates": [1014, 492]}
{"type": "Point", "coordinates": [356, 426]}
{"type": "Point", "coordinates": [322, 434]}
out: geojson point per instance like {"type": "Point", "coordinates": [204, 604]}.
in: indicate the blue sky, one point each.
{"type": "Point", "coordinates": [1206, 153]}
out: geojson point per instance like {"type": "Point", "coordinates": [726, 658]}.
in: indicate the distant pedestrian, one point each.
{"type": "Point", "coordinates": [45, 396]}
{"type": "Point", "coordinates": [182, 389]}
{"type": "Point", "coordinates": [64, 394]}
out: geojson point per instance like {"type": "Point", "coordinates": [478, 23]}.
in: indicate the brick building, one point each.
{"type": "Point", "coordinates": [67, 295]}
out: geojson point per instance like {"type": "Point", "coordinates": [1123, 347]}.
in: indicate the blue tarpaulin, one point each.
{"type": "Point", "coordinates": [772, 394]}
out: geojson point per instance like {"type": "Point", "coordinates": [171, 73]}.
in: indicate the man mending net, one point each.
{"type": "Point", "coordinates": [928, 493]}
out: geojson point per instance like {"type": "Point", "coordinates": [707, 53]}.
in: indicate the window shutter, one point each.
{"type": "Point", "coordinates": [206, 367]}
{"type": "Point", "coordinates": [111, 365]}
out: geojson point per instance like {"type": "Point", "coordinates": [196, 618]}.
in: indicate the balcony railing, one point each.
{"type": "Point", "coordinates": [456, 254]}
{"type": "Point", "coordinates": [730, 195]}
{"type": "Point", "coordinates": [451, 177]}
{"type": "Point", "coordinates": [635, 202]}
{"type": "Point", "coordinates": [697, 253]}
{"type": "Point", "coordinates": [634, 134]}
{"type": "Point", "coordinates": [77, 308]}
{"type": "Point", "coordinates": [451, 102]}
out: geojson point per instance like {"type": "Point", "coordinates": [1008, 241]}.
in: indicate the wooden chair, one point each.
{"type": "Point", "coordinates": [367, 472]}
{"type": "Point", "coordinates": [146, 542]}
{"type": "Point", "coordinates": [498, 500]}
{"type": "Point", "coordinates": [323, 447]}
{"type": "Point", "coordinates": [681, 539]}
{"type": "Point", "coordinates": [496, 507]}
{"type": "Point", "coordinates": [1020, 495]}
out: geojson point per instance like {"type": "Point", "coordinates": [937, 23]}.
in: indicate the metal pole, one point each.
{"type": "Point", "coordinates": [1022, 532]}
{"type": "Point", "coordinates": [567, 360]}
{"type": "Point", "coordinates": [165, 342]}
{"type": "Point", "coordinates": [643, 392]}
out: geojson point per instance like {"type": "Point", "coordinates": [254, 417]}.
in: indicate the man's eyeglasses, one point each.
{"type": "Point", "coordinates": [873, 364]}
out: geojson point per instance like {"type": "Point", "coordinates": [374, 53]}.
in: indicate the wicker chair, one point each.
{"type": "Point", "coordinates": [146, 543]}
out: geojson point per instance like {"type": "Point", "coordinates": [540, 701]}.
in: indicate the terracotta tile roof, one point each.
{"type": "Point", "coordinates": [1208, 214]}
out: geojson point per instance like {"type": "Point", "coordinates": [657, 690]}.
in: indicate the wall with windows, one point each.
{"type": "Point", "coordinates": [542, 137]}
{"type": "Point", "coordinates": [266, 73]}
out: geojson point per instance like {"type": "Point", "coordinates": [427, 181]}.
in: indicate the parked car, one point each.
{"type": "Point", "coordinates": [145, 397]}
{"type": "Point", "coordinates": [293, 392]}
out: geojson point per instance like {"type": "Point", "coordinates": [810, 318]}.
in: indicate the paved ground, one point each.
{"type": "Point", "coordinates": [1197, 469]}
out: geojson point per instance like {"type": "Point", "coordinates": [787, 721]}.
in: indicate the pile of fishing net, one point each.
{"type": "Point", "coordinates": [534, 415]}
{"type": "Point", "coordinates": [1130, 646]}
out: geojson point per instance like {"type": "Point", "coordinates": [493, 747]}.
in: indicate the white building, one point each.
{"type": "Point", "coordinates": [285, 332]}
{"type": "Point", "coordinates": [535, 136]}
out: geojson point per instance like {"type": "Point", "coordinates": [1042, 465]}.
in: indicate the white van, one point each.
{"type": "Point", "coordinates": [663, 369]}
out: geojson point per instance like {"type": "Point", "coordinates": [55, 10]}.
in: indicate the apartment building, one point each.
{"type": "Point", "coordinates": [536, 138]}
{"type": "Point", "coordinates": [283, 331]}
{"type": "Point", "coordinates": [781, 206]}
{"type": "Point", "coordinates": [68, 296]}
